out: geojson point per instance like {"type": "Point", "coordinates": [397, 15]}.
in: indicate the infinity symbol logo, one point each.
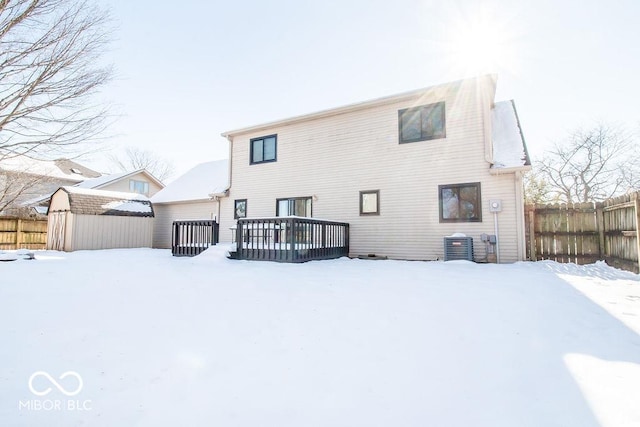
{"type": "Point", "coordinates": [55, 383]}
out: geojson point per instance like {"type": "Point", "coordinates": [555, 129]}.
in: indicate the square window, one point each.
{"type": "Point", "coordinates": [264, 149]}
{"type": "Point", "coordinates": [460, 203]}
{"type": "Point", "coordinates": [139, 187]}
{"type": "Point", "coordinates": [422, 123]}
{"type": "Point", "coordinates": [370, 202]}
{"type": "Point", "coordinates": [240, 209]}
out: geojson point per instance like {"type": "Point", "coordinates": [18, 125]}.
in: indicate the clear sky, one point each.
{"type": "Point", "coordinates": [187, 71]}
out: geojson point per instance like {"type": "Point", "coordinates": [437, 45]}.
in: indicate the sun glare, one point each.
{"type": "Point", "coordinates": [478, 46]}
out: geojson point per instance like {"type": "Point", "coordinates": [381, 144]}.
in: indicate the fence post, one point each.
{"type": "Point", "coordinates": [18, 233]}
{"type": "Point", "coordinates": [601, 231]}
{"type": "Point", "coordinates": [637, 200]}
{"type": "Point", "coordinates": [532, 234]}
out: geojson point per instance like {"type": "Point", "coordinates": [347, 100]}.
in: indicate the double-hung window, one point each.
{"type": "Point", "coordinates": [264, 149]}
{"type": "Point", "coordinates": [422, 123]}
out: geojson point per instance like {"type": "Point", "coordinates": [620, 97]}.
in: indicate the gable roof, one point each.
{"type": "Point", "coordinates": [85, 201]}
{"type": "Point", "coordinates": [490, 79]}
{"type": "Point", "coordinates": [105, 180]}
{"type": "Point", "coordinates": [199, 183]}
{"type": "Point", "coordinates": [509, 147]}
{"type": "Point", "coordinates": [63, 169]}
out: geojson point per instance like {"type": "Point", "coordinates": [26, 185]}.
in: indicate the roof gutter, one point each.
{"type": "Point", "coordinates": [513, 169]}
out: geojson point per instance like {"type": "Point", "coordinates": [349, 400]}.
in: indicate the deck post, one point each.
{"type": "Point", "coordinates": [292, 240]}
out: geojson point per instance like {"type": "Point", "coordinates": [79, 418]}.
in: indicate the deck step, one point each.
{"type": "Point", "coordinates": [233, 255]}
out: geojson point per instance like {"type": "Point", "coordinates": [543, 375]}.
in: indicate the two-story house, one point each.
{"type": "Point", "coordinates": [404, 171]}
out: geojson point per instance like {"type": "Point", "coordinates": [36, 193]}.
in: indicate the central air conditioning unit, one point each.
{"type": "Point", "coordinates": [456, 248]}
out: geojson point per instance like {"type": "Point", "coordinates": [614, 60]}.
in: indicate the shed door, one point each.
{"type": "Point", "coordinates": [57, 228]}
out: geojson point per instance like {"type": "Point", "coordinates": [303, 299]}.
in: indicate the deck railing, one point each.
{"type": "Point", "coordinates": [189, 238]}
{"type": "Point", "coordinates": [291, 239]}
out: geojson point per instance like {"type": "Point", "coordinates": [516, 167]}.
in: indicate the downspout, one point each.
{"type": "Point", "coordinates": [230, 139]}
{"type": "Point", "coordinates": [520, 215]}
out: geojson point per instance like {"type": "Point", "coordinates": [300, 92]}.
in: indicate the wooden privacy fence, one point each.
{"type": "Point", "coordinates": [19, 233]}
{"type": "Point", "coordinates": [586, 232]}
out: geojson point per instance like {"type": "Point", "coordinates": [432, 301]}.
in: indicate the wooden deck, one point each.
{"type": "Point", "coordinates": [190, 238]}
{"type": "Point", "coordinates": [290, 239]}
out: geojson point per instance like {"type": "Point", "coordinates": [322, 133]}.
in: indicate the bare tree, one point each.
{"type": "Point", "coordinates": [536, 188]}
{"type": "Point", "coordinates": [20, 186]}
{"type": "Point", "coordinates": [50, 73]}
{"type": "Point", "coordinates": [135, 158]}
{"type": "Point", "coordinates": [592, 165]}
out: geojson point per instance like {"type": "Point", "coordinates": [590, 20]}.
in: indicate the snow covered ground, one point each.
{"type": "Point", "coordinates": [153, 340]}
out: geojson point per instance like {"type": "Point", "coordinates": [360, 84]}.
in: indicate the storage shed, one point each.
{"type": "Point", "coordinates": [81, 218]}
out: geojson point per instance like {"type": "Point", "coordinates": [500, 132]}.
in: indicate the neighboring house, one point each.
{"type": "Point", "coordinates": [404, 171]}
{"type": "Point", "coordinates": [139, 182]}
{"type": "Point", "coordinates": [192, 196]}
{"type": "Point", "coordinates": [23, 179]}
{"type": "Point", "coordinates": [81, 218]}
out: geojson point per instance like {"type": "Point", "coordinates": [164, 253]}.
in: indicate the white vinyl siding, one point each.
{"type": "Point", "coordinates": [124, 186]}
{"type": "Point", "coordinates": [165, 214]}
{"type": "Point", "coordinates": [334, 157]}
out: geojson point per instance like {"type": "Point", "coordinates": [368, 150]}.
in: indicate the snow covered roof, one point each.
{"type": "Point", "coordinates": [111, 178]}
{"type": "Point", "coordinates": [86, 201]}
{"type": "Point", "coordinates": [60, 169]}
{"type": "Point", "coordinates": [101, 180]}
{"type": "Point", "coordinates": [199, 183]}
{"type": "Point", "coordinates": [509, 147]}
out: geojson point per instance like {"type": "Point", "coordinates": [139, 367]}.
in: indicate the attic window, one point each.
{"type": "Point", "coordinates": [140, 187]}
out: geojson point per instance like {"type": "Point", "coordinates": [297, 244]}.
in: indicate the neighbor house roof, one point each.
{"type": "Point", "coordinates": [85, 201]}
{"type": "Point", "coordinates": [200, 183]}
{"type": "Point", "coordinates": [509, 147]}
{"type": "Point", "coordinates": [105, 180]}
{"type": "Point", "coordinates": [64, 169]}
{"type": "Point", "coordinates": [97, 183]}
